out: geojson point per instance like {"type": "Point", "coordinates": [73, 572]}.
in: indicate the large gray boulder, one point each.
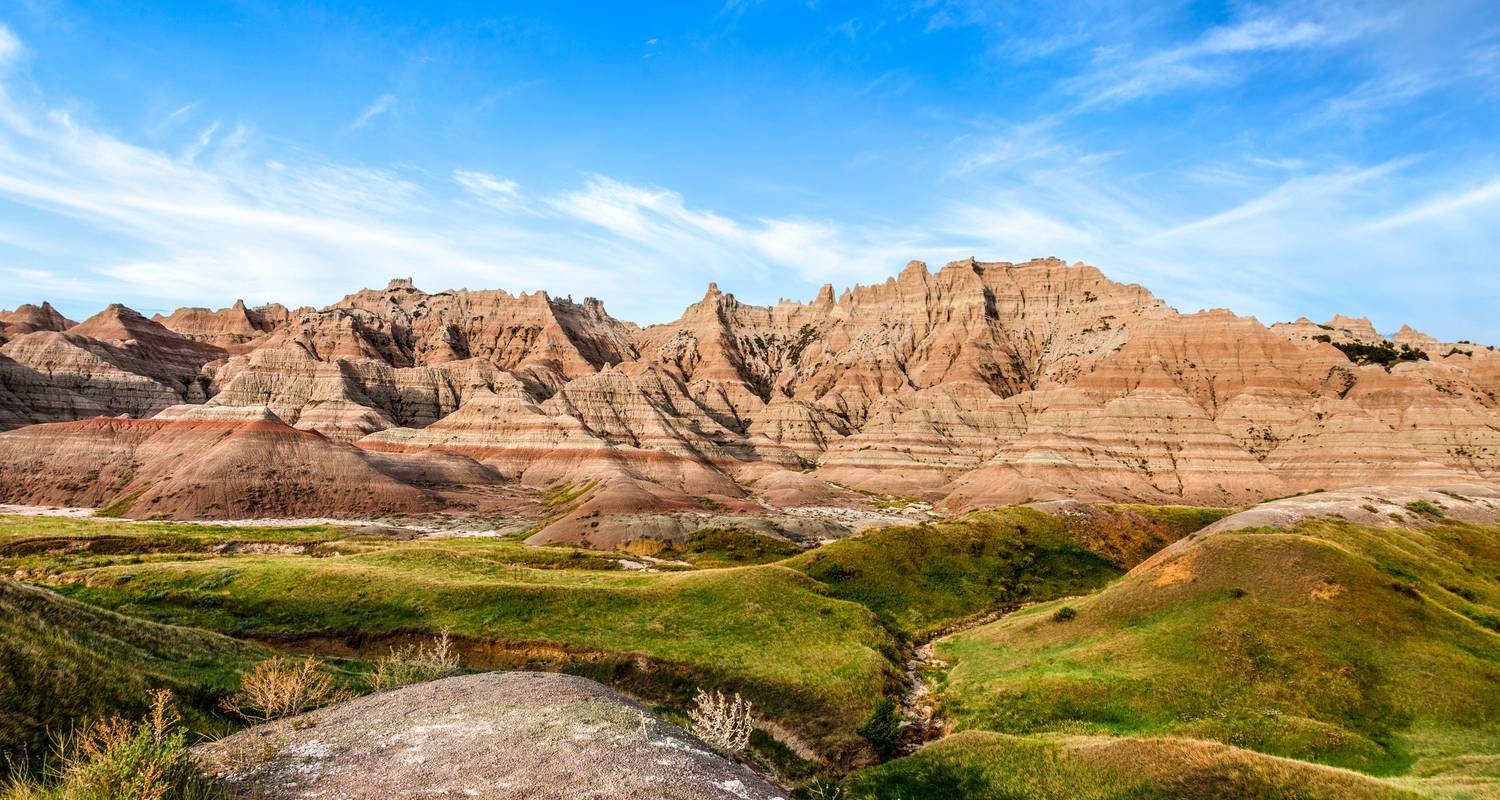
{"type": "Point", "coordinates": [494, 735]}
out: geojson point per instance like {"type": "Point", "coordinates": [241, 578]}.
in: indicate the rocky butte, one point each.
{"type": "Point", "coordinates": [974, 385]}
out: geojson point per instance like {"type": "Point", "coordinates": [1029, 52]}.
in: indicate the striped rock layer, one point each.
{"type": "Point", "coordinates": [973, 385]}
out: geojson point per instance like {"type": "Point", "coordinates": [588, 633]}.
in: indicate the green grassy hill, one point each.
{"type": "Point", "coordinates": [1375, 649]}
{"type": "Point", "coordinates": [920, 578]}
{"type": "Point", "coordinates": [977, 765]}
{"type": "Point", "coordinates": [63, 663]}
{"type": "Point", "coordinates": [812, 640]}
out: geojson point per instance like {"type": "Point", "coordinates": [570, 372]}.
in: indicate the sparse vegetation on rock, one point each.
{"type": "Point", "coordinates": [1385, 354]}
{"type": "Point", "coordinates": [415, 663]}
{"type": "Point", "coordinates": [721, 721]}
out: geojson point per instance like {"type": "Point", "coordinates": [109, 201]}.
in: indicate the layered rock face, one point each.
{"type": "Point", "coordinates": [196, 461]}
{"type": "Point", "coordinates": [116, 361]}
{"type": "Point", "coordinates": [234, 329]}
{"type": "Point", "coordinates": [976, 384]}
{"type": "Point", "coordinates": [29, 318]}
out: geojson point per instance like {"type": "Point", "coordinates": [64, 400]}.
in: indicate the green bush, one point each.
{"type": "Point", "coordinates": [883, 729]}
{"type": "Point", "coordinates": [1065, 614]}
{"type": "Point", "coordinates": [1385, 354]}
{"type": "Point", "coordinates": [1425, 508]}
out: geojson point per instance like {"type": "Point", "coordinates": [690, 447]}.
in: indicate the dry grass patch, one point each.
{"type": "Point", "coordinates": [414, 663]}
{"type": "Point", "coordinates": [281, 687]}
{"type": "Point", "coordinates": [116, 759]}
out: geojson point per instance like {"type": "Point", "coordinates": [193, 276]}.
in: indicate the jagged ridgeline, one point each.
{"type": "Point", "coordinates": [976, 385]}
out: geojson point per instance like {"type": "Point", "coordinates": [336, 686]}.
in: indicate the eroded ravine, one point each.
{"type": "Point", "coordinates": [923, 719]}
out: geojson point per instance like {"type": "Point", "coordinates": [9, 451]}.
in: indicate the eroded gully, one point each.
{"type": "Point", "coordinates": [923, 720]}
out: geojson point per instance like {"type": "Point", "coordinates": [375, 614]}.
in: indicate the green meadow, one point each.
{"type": "Point", "coordinates": [813, 640]}
{"type": "Point", "coordinates": [1327, 660]}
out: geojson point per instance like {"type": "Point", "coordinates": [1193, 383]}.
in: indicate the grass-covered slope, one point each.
{"type": "Point", "coordinates": [977, 765]}
{"type": "Point", "coordinates": [63, 663]}
{"type": "Point", "coordinates": [920, 578]}
{"type": "Point", "coordinates": [813, 640]}
{"type": "Point", "coordinates": [1371, 648]}
{"type": "Point", "coordinates": [766, 631]}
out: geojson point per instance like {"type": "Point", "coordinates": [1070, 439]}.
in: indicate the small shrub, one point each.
{"type": "Point", "coordinates": [115, 759]}
{"type": "Point", "coordinates": [829, 571]}
{"type": "Point", "coordinates": [1237, 593]}
{"type": "Point", "coordinates": [1065, 614]}
{"type": "Point", "coordinates": [1384, 354]}
{"type": "Point", "coordinates": [722, 722]}
{"type": "Point", "coordinates": [1425, 508]}
{"type": "Point", "coordinates": [278, 687]}
{"type": "Point", "coordinates": [415, 663]}
{"type": "Point", "coordinates": [883, 728]}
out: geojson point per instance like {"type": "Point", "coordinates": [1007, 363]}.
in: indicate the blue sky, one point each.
{"type": "Point", "coordinates": [1280, 159]}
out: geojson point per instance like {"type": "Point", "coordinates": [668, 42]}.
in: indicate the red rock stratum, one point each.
{"type": "Point", "coordinates": [974, 385]}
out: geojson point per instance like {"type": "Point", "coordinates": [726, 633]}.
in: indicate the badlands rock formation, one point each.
{"type": "Point", "coordinates": [194, 461]}
{"type": "Point", "coordinates": [976, 384]}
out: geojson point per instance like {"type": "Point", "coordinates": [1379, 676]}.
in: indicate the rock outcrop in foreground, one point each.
{"type": "Point", "coordinates": [538, 736]}
{"type": "Point", "coordinates": [975, 385]}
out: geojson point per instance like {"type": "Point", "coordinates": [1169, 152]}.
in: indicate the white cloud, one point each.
{"type": "Point", "coordinates": [662, 228]}
{"type": "Point", "coordinates": [501, 194]}
{"type": "Point", "coordinates": [1308, 195]}
{"type": "Point", "coordinates": [205, 138]}
{"type": "Point", "coordinates": [10, 46]}
{"type": "Point", "coordinates": [227, 216]}
{"type": "Point", "coordinates": [1267, 33]}
{"type": "Point", "coordinates": [485, 184]}
{"type": "Point", "coordinates": [1206, 61]}
{"type": "Point", "coordinates": [1444, 207]}
{"type": "Point", "coordinates": [381, 105]}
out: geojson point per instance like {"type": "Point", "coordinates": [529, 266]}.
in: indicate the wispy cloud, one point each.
{"type": "Point", "coordinates": [1023, 145]}
{"type": "Point", "coordinates": [205, 138]}
{"type": "Point", "coordinates": [487, 185]}
{"type": "Point", "coordinates": [381, 105]}
{"type": "Point", "coordinates": [502, 194]}
{"type": "Point", "coordinates": [163, 228]}
{"type": "Point", "coordinates": [1305, 192]}
{"type": "Point", "coordinates": [658, 224]}
{"type": "Point", "coordinates": [171, 120]}
{"type": "Point", "coordinates": [1444, 207]}
{"type": "Point", "coordinates": [1205, 61]}
{"type": "Point", "coordinates": [10, 46]}
{"type": "Point", "coordinates": [1402, 84]}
